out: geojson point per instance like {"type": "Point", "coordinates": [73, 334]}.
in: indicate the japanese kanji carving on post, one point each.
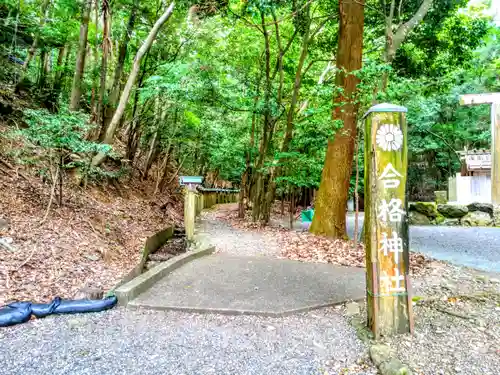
{"type": "Point", "coordinates": [386, 223]}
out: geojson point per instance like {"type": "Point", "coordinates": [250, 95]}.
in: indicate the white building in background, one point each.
{"type": "Point", "coordinates": [473, 183]}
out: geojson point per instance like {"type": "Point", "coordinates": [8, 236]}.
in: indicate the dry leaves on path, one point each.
{"type": "Point", "coordinates": [307, 247]}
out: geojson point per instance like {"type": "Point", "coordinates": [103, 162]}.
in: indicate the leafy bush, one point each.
{"type": "Point", "coordinates": [61, 132]}
{"type": "Point", "coordinates": [58, 135]}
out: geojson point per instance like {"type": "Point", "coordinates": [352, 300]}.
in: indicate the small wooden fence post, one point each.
{"type": "Point", "coordinates": [386, 221]}
{"type": "Point", "coordinates": [189, 213]}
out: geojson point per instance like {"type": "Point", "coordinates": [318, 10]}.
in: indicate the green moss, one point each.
{"type": "Point", "coordinates": [428, 209]}
{"type": "Point", "coordinates": [439, 219]}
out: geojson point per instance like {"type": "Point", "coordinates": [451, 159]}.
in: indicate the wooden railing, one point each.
{"type": "Point", "coordinates": [203, 198]}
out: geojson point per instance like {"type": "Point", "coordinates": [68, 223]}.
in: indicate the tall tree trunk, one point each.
{"type": "Point", "coordinates": [43, 69]}
{"type": "Point", "coordinates": [66, 68]}
{"type": "Point", "coordinates": [330, 213]}
{"type": "Point", "coordinates": [161, 113]}
{"type": "Point", "coordinates": [115, 121]}
{"type": "Point", "coordinates": [168, 155]}
{"type": "Point", "coordinates": [34, 46]}
{"type": "Point", "coordinates": [276, 169]}
{"type": "Point", "coordinates": [134, 132]}
{"type": "Point", "coordinates": [59, 68]}
{"type": "Point", "coordinates": [264, 144]}
{"type": "Point", "coordinates": [95, 81]}
{"type": "Point", "coordinates": [244, 188]}
{"type": "Point", "coordinates": [76, 90]}
{"type": "Point", "coordinates": [53, 97]}
{"type": "Point", "coordinates": [110, 106]}
{"type": "Point", "coordinates": [104, 60]}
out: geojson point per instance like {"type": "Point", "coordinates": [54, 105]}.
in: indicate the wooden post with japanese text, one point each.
{"type": "Point", "coordinates": [386, 222]}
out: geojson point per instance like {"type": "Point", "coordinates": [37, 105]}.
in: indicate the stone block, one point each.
{"type": "Point", "coordinates": [4, 224]}
{"type": "Point", "coordinates": [452, 211]}
{"type": "Point", "coordinates": [380, 354]}
{"type": "Point", "coordinates": [352, 308]}
{"type": "Point", "coordinates": [496, 215]}
{"type": "Point", "coordinates": [439, 219]}
{"type": "Point", "coordinates": [441, 197]}
{"type": "Point", "coordinates": [416, 218]}
{"type": "Point", "coordinates": [451, 222]}
{"type": "Point", "coordinates": [428, 209]}
{"type": "Point", "coordinates": [481, 207]}
{"type": "Point", "coordinates": [477, 219]}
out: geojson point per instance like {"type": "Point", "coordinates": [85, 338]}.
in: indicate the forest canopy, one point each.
{"type": "Point", "coordinates": [242, 91]}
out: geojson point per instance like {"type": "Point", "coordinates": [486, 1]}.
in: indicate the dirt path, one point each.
{"type": "Point", "coordinates": [228, 239]}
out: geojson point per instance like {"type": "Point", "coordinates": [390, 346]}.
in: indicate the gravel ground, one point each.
{"type": "Point", "coordinates": [146, 342]}
{"type": "Point", "coordinates": [457, 332]}
{"type": "Point", "coordinates": [457, 324]}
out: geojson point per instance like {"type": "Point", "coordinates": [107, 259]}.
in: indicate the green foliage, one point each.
{"type": "Point", "coordinates": [62, 132]}
{"type": "Point", "coordinates": [202, 87]}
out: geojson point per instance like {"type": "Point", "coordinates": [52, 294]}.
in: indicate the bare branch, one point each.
{"type": "Point", "coordinates": [321, 25]}
{"type": "Point", "coordinates": [400, 20]}
{"type": "Point", "coordinates": [291, 15]}
{"type": "Point", "coordinates": [247, 22]}
{"type": "Point", "coordinates": [313, 62]}
{"type": "Point", "coordinates": [375, 9]}
{"type": "Point", "coordinates": [407, 27]}
{"type": "Point", "coordinates": [391, 13]}
{"type": "Point", "coordinates": [290, 42]}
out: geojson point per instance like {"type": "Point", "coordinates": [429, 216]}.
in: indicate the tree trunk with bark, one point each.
{"type": "Point", "coordinates": [110, 133]}
{"type": "Point", "coordinates": [276, 170]}
{"type": "Point", "coordinates": [331, 203]}
{"type": "Point", "coordinates": [106, 46]}
{"type": "Point", "coordinates": [95, 81]}
{"type": "Point", "coordinates": [266, 129]}
{"type": "Point", "coordinates": [34, 46]}
{"type": "Point", "coordinates": [114, 95]}
{"type": "Point", "coordinates": [245, 181]}
{"type": "Point", "coordinates": [168, 155]}
{"type": "Point", "coordinates": [53, 96]}
{"type": "Point", "coordinates": [76, 90]}
{"type": "Point", "coordinates": [66, 67]}
{"type": "Point", "coordinates": [44, 56]}
{"type": "Point", "coordinates": [161, 113]}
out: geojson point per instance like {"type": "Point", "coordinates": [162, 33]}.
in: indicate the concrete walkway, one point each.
{"type": "Point", "coordinates": [231, 284]}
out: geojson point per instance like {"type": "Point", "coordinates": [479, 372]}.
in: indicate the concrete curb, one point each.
{"type": "Point", "coordinates": [152, 244]}
{"type": "Point", "coordinates": [236, 312]}
{"type": "Point", "coordinates": [130, 290]}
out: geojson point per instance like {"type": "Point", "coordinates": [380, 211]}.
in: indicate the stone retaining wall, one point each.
{"type": "Point", "coordinates": [472, 215]}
